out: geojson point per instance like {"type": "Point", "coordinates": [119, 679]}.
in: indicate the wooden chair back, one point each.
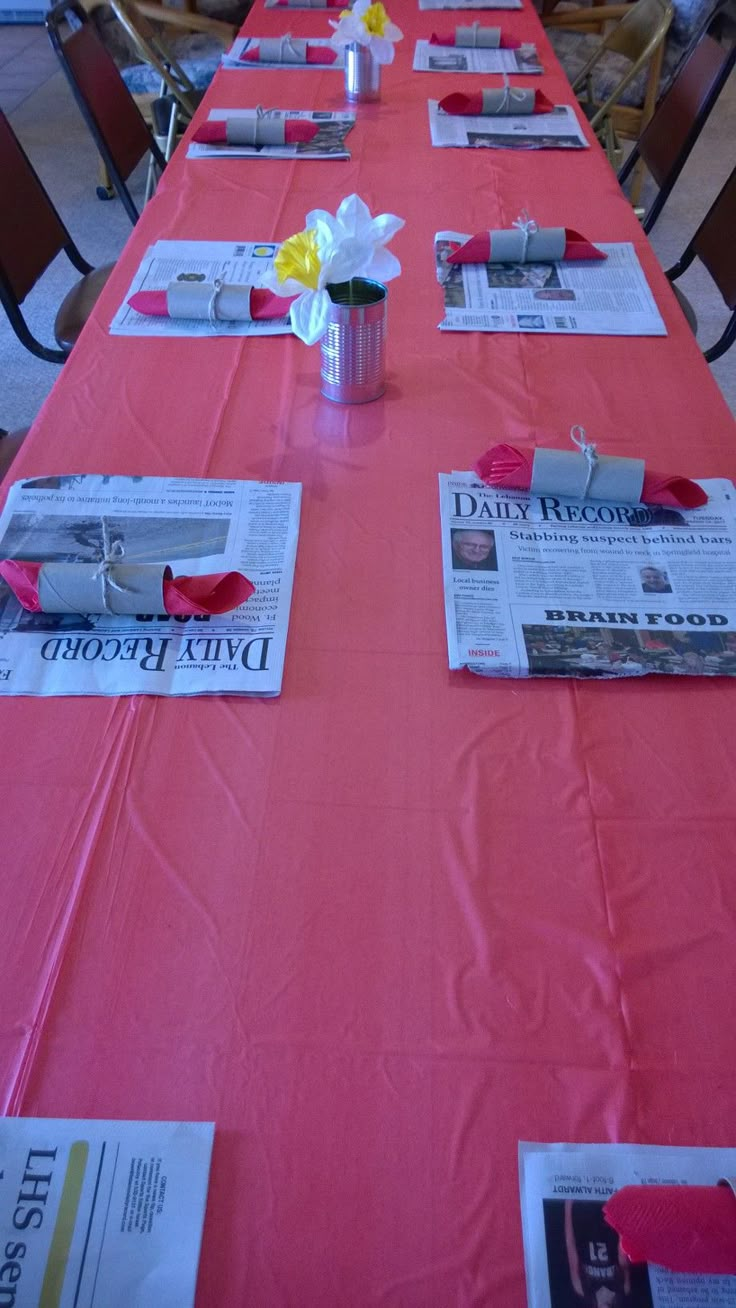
{"type": "Point", "coordinates": [152, 50]}
{"type": "Point", "coordinates": [31, 231]}
{"type": "Point", "coordinates": [713, 243]}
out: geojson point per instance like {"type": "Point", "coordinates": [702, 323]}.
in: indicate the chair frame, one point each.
{"type": "Point", "coordinates": [728, 336]}
{"type": "Point", "coordinates": [152, 48]}
{"type": "Point", "coordinates": [54, 19]}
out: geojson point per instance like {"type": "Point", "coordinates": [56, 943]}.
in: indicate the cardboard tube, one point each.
{"type": "Point", "coordinates": [85, 588]}
{"type": "Point", "coordinates": [563, 472]}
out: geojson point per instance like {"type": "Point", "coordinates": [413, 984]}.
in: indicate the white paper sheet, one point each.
{"type": "Point", "coordinates": [570, 1183]}
{"type": "Point", "coordinates": [558, 130]}
{"type": "Point", "coordinates": [330, 144]}
{"type": "Point", "coordinates": [462, 59]}
{"type": "Point", "coordinates": [170, 261]}
{"type": "Point", "coordinates": [232, 57]}
{"type": "Point", "coordinates": [588, 297]}
{"type": "Point", "coordinates": [113, 1210]}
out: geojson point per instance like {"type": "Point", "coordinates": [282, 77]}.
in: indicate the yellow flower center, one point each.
{"type": "Point", "coordinates": [299, 258]}
{"type": "Point", "coordinates": [375, 19]}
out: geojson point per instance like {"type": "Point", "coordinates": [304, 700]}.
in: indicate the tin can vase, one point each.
{"type": "Point", "coordinates": [354, 345]}
{"type": "Point", "coordinates": [362, 73]}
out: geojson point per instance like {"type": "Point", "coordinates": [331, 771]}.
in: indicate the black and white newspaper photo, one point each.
{"type": "Point", "coordinates": [329, 143]}
{"type": "Point", "coordinates": [558, 130]}
{"type": "Point", "coordinates": [544, 586]}
{"type": "Point", "coordinates": [430, 58]}
{"type": "Point", "coordinates": [582, 297]}
{"type": "Point", "coordinates": [198, 528]}
{"type": "Point", "coordinates": [574, 1259]}
{"type": "Point", "coordinates": [193, 263]}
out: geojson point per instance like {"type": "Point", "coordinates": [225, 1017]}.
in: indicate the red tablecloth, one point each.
{"type": "Point", "coordinates": [383, 927]}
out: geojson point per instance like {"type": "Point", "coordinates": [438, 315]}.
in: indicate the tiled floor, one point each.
{"type": "Point", "coordinates": [26, 62]}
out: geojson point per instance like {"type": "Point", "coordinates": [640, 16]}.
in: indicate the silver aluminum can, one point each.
{"type": "Point", "coordinates": [354, 345]}
{"type": "Point", "coordinates": [362, 73]}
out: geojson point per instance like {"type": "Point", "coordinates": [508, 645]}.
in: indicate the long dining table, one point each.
{"type": "Point", "coordinates": [387, 925]}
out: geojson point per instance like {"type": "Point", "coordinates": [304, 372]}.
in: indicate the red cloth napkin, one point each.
{"type": "Point", "coordinates": [506, 466]}
{"type": "Point", "coordinates": [316, 54]}
{"type": "Point", "coordinates": [263, 304]}
{"type": "Point", "coordinates": [295, 129]}
{"type": "Point", "coordinates": [462, 104]}
{"type": "Point", "coordinates": [478, 249]}
{"type": "Point", "coordinates": [219, 592]}
{"type": "Point", "coordinates": [448, 38]}
{"type": "Point", "coordinates": [686, 1228]}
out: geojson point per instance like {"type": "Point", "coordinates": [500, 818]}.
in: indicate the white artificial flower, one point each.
{"type": "Point", "coordinates": [367, 23]}
{"type": "Point", "coordinates": [353, 223]}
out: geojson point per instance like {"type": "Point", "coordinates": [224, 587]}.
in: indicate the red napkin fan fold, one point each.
{"type": "Point", "coordinates": [507, 466]}
{"type": "Point", "coordinates": [218, 592]}
{"type": "Point", "coordinates": [295, 130]}
{"type": "Point", "coordinates": [479, 249]}
{"type": "Point", "coordinates": [686, 1228]}
{"type": "Point", "coordinates": [263, 304]}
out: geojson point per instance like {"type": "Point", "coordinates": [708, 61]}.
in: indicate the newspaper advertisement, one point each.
{"type": "Point", "coordinates": [543, 586]}
{"type": "Point", "coordinates": [582, 297]}
{"type": "Point", "coordinates": [558, 130]}
{"type": "Point", "coordinates": [196, 527]}
{"type": "Point", "coordinates": [470, 4]}
{"type": "Point", "coordinates": [233, 58]}
{"type": "Point", "coordinates": [573, 1257]}
{"type": "Point", "coordinates": [430, 58]}
{"type": "Point", "coordinates": [244, 264]}
{"type": "Point", "coordinates": [97, 1214]}
{"type": "Point", "coordinates": [329, 143]}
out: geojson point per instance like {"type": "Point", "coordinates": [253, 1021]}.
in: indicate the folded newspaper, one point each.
{"type": "Point", "coordinates": [196, 526]}
{"type": "Point", "coordinates": [430, 58]}
{"type": "Point", "coordinates": [544, 586]}
{"type": "Point", "coordinates": [329, 143]}
{"type": "Point", "coordinates": [101, 1213]}
{"type": "Point", "coordinates": [558, 130]}
{"type": "Point", "coordinates": [597, 297]}
{"type": "Point", "coordinates": [193, 263]}
{"type": "Point", "coordinates": [573, 1256]}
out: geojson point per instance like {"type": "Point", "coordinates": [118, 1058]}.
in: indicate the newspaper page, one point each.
{"type": "Point", "coordinates": [580, 297]}
{"type": "Point", "coordinates": [543, 586]}
{"type": "Point", "coordinates": [97, 1214]}
{"type": "Point", "coordinates": [430, 58]}
{"type": "Point", "coordinates": [233, 58]}
{"type": "Point", "coordinates": [199, 261]}
{"type": "Point", "coordinates": [568, 1245]}
{"type": "Point", "coordinates": [558, 130]}
{"type": "Point", "coordinates": [197, 527]}
{"type": "Point", "coordinates": [470, 4]}
{"type": "Point", "coordinates": [329, 143]}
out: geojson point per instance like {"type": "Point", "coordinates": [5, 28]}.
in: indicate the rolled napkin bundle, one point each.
{"type": "Point", "coordinates": [288, 50]}
{"type": "Point", "coordinates": [525, 242]}
{"type": "Point", "coordinates": [211, 302]}
{"type": "Point", "coordinates": [686, 1228]}
{"type": "Point", "coordinates": [312, 4]}
{"type": "Point", "coordinates": [476, 37]}
{"type": "Point", "coordinates": [505, 101]}
{"type": "Point", "coordinates": [262, 130]}
{"type": "Point", "coordinates": [580, 475]}
{"type": "Point", "coordinates": [122, 588]}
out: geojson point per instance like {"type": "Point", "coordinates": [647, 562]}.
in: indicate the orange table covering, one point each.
{"type": "Point", "coordinates": [383, 927]}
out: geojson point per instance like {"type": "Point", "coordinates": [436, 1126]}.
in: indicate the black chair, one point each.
{"type": "Point", "coordinates": [679, 118]}
{"type": "Point", "coordinates": [113, 117]}
{"type": "Point", "coordinates": [31, 236]}
{"type": "Point", "coordinates": [714, 244]}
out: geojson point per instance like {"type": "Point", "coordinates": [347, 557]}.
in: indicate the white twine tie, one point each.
{"type": "Point", "coordinates": [212, 306]}
{"type": "Point", "coordinates": [284, 43]}
{"type": "Point", "coordinates": [527, 226]}
{"type": "Point", "coordinates": [589, 451]}
{"type": "Point", "coordinates": [509, 93]}
{"type": "Point", "coordinates": [474, 29]}
{"type": "Point", "coordinates": [112, 553]}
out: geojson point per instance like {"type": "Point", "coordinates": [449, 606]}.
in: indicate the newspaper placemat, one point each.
{"type": "Point", "coordinates": [524, 578]}
{"type": "Point", "coordinates": [558, 130]}
{"type": "Point", "coordinates": [198, 261]}
{"type": "Point", "coordinates": [102, 1213]}
{"type": "Point", "coordinates": [470, 4]}
{"type": "Point", "coordinates": [568, 1243]}
{"type": "Point", "coordinates": [233, 58]}
{"type": "Point", "coordinates": [329, 143]}
{"type": "Point", "coordinates": [196, 526]}
{"type": "Point", "coordinates": [606, 297]}
{"type": "Point", "coordinates": [430, 58]}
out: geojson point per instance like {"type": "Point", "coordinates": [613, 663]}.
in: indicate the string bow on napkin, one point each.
{"type": "Point", "coordinates": [508, 467]}
{"type": "Point", "coordinates": [503, 102]}
{"type": "Point", "coordinates": [686, 1228]}
{"type": "Point", "coordinates": [476, 37]}
{"type": "Point", "coordinates": [288, 50]}
{"type": "Point", "coordinates": [211, 302]}
{"type": "Point", "coordinates": [525, 242]}
{"type": "Point", "coordinates": [112, 586]}
{"type": "Point", "coordinates": [261, 130]}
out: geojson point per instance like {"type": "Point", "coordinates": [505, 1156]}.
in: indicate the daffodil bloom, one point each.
{"type": "Point", "coordinates": [368, 24]}
{"type": "Point", "coordinates": [331, 249]}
